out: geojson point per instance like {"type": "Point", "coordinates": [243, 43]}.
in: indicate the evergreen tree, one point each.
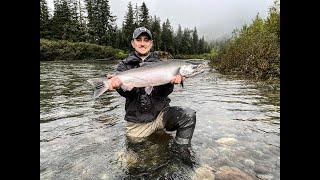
{"type": "Point", "coordinates": [108, 23]}
{"type": "Point", "coordinates": [77, 31]}
{"type": "Point", "coordinates": [82, 30]}
{"type": "Point", "coordinates": [44, 19]}
{"type": "Point", "coordinates": [91, 17]}
{"type": "Point", "coordinates": [136, 13]}
{"type": "Point", "coordinates": [129, 25]}
{"type": "Point", "coordinates": [178, 39]}
{"type": "Point", "coordinates": [101, 26]}
{"type": "Point", "coordinates": [156, 32]}
{"type": "Point", "coordinates": [167, 37]}
{"type": "Point", "coordinates": [121, 40]}
{"type": "Point", "coordinates": [62, 20]}
{"type": "Point", "coordinates": [186, 42]}
{"type": "Point", "coordinates": [195, 41]}
{"type": "Point", "coordinates": [201, 46]}
{"type": "Point", "coordinates": [144, 16]}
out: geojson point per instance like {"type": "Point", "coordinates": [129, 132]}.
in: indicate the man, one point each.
{"type": "Point", "coordinates": [145, 113]}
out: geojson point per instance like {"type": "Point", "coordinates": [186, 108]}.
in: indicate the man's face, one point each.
{"type": "Point", "coordinates": [142, 44]}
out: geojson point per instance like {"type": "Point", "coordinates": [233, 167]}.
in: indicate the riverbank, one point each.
{"type": "Point", "coordinates": [55, 50]}
{"type": "Point", "coordinates": [254, 49]}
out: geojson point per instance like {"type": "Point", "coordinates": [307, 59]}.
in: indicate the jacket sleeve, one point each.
{"type": "Point", "coordinates": [122, 67]}
{"type": "Point", "coordinates": [163, 90]}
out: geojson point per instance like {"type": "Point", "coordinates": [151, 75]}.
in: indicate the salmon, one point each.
{"type": "Point", "coordinates": [148, 75]}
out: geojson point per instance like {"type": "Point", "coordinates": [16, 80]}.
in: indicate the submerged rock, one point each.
{"type": "Point", "coordinates": [260, 169]}
{"type": "Point", "coordinates": [104, 177]}
{"type": "Point", "coordinates": [204, 173]}
{"type": "Point", "coordinates": [208, 153]}
{"type": "Point", "coordinates": [127, 158]}
{"type": "Point", "coordinates": [265, 176]}
{"type": "Point", "coordinates": [249, 162]}
{"type": "Point", "coordinates": [226, 141]}
{"type": "Point", "coordinates": [231, 173]}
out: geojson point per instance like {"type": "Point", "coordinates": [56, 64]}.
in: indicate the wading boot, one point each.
{"type": "Point", "coordinates": [183, 153]}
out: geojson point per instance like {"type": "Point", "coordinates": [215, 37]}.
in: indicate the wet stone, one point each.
{"type": "Point", "coordinates": [204, 173]}
{"type": "Point", "coordinates": [104, 176]}
{"type": "Point", "coordinates": [264, 176]}
{"type": "Point", "coordinates": [249, 162]}
{"type": "Point", "coordinates": [257, 154]}
{"type": "Point", "coordinates": [231, 173]}
{"type": "Point", "coordinates": [208, 153]}
{"type": "Point", "coordinates": [226, 141]}
{"type": "Point", "coordinates": [261, 169]}
{"type": "Point", "coordinates": [127, 158]}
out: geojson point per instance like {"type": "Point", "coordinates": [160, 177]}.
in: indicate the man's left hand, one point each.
{"type": "Point", "coordinates": [177, 79]}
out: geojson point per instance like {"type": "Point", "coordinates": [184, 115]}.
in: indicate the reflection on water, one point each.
{"type": "Point", "coordinates": [237, 131]}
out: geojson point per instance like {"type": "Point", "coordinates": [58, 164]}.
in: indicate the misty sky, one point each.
{"type": "Point", "coordinates": [213, 18]}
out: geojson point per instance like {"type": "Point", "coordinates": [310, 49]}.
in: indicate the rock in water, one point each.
{"type": "Point", "coordinates": [226, 141]}
{"type": "Point", "coordinates": [204, 173]}
{"type": "Point", "coordinates": [127, 158]}
{"type": "Point", "coordinates": [249, 162]}
{"type": "Point", "coordinates": [231, 173]}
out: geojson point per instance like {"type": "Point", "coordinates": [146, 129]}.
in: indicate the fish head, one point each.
{"type": "Point", "coordinates": [189, 69]}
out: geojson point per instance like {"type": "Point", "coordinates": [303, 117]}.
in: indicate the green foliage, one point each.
{"type": "Point", "coordinates": [156, 32]}
{"type": "Point", "coordinates": [195, 41]}
{"type": "Point", "coordinates": [167, 37]}
{"type": "Point", "coordinates": [253, 50]}
{"type": "Point", "coordinates": [186, 42]}
{"type": "Point", "coordinates": [144, 19]}
{"type": "Point", "coordinates": [44, 19]}
{"type": "Point", "coordinates": [120, 55]}
{"type": "Point", "coordinates": [64, 50]}
{"type": "Point", "coordinates": [129, 25]}
{"type": "Point", "coordinates": [178, 40]}
{"type": "Point", "coordinates": [191, 56]}
{"type": "Point", "coordinates": [101, 26]}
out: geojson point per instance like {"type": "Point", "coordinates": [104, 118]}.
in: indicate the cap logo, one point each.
{"type": "Point", "coordinates": [142, 29]}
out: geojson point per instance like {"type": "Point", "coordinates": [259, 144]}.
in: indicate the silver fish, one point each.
{"type": "Point", "coordinates": [149, 75]}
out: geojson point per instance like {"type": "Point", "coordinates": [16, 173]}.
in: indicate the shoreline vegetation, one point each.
{"type": "Point", "coordinates": [252, 52]}
{"type": "Point", "coordinates": [57, 50]}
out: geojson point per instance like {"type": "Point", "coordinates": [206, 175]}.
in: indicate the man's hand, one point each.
{"type": "Point", "coordinates": [177, 79]}
{"type": "Point", "coordinates": [114, 82]}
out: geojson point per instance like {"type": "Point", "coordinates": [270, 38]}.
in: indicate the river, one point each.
{"type": "Point", "coordinates": [237, 130]}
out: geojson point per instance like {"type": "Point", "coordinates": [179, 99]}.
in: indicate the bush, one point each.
{"type": "Point", "coordinates": [255, 49]}
{"type": "Point", "coordinates": [51, 50]}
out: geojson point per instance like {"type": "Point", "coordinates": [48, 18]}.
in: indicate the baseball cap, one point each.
{"type": "Point", "coordinates": [140, 30]}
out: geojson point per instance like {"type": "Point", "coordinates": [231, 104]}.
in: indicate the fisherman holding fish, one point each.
{"type": "Point", "coordinates": [147, 108]}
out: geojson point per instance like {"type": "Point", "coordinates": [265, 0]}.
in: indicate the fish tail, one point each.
{"type": "Point", "coordinates": [181, 83]}
{"type": "Point", "coordinates": [100, 86]}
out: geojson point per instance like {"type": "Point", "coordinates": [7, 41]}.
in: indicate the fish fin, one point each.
{"type": "Point", "coordinates": [148, 89]}
{"type": "Point", "coordinates": [127, 87]}
{"type": "Point", "coordinates": [100, 86]}
{"type": "Point", "coordinates": [181, 83]}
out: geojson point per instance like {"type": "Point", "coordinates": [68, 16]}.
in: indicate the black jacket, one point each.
{"type": "Point", "coordinates": [139, 106]}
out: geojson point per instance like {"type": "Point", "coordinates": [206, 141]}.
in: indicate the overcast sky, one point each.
{"type": "Point", "coordinates": [213, 18]}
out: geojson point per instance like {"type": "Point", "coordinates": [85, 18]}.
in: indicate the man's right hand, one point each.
{"type": "Point", "coordinates": [114, 82]}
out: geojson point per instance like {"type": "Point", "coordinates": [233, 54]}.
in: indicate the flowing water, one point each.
{"type": "Point", "coordinates": [238, 127]}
